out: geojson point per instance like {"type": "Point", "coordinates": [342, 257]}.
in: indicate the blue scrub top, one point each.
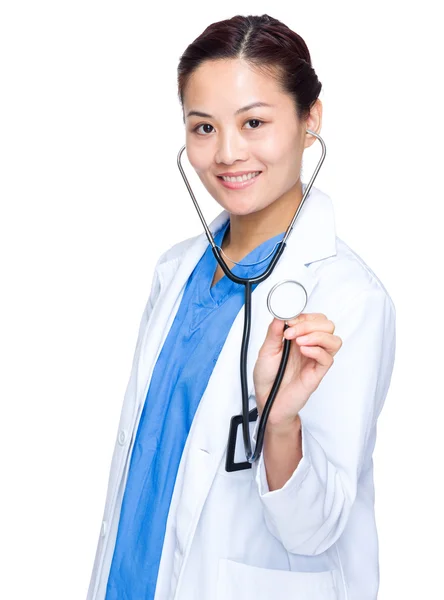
{"type": "Point", "coordinates": [179, 380]}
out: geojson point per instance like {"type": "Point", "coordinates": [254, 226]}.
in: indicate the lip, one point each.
{"type": "Point", "coordinates": [238, 185]}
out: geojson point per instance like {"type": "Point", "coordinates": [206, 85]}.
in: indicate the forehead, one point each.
{"type": "Point", "coordinates": [228, 84]}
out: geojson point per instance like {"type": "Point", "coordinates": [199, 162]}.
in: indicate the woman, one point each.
{"type": "Point", "coordinates": [300, 523]}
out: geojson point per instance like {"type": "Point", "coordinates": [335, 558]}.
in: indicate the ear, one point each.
{"type": "Point", "coordinates": [314, 123]}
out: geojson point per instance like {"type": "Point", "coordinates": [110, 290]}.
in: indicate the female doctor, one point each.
{"type": "Point", "coordinates": [299, 524]}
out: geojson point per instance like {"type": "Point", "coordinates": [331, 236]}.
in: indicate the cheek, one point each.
{"type": "Point", "coordinates": [278, 149]}
{"type": "Point", "coordinates": [197, 157]}
{"type": "Point", "coordinates": [273, 156]}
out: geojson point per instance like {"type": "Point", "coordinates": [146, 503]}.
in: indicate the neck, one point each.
{"type": "Point", "coordinates": [247, 232]}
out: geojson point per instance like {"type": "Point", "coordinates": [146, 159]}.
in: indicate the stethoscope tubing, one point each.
{"type": "Point", "coordinates": [248, 283]}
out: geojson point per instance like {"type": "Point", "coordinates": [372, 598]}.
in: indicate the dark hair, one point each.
{"type": "Point", "coordinates": [267, 45]}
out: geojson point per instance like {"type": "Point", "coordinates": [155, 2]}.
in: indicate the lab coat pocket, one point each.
{"type": "Point", "coordinates": [238, 580]}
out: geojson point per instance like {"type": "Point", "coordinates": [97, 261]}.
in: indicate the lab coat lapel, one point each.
{"type": "Point", "coordinates": [173, 274]}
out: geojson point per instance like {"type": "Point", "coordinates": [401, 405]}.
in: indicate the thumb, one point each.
{"type": "Point", "coordinates": [274, 338]}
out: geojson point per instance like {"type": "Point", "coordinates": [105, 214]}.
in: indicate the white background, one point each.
{"type": "Point", "coordinates": [90, 127]}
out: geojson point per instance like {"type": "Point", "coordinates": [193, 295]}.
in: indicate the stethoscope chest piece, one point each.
{"type": "Point", "coordinates": [287, 299]}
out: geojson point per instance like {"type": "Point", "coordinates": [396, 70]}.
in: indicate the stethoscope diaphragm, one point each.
{"type": "Point", "coordinates": [287, 299]}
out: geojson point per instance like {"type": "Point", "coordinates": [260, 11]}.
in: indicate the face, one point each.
{"type": "Point", "coordinates": [226, 139]}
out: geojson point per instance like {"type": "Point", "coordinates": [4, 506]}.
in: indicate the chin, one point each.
{"type": "Point", "coordinates": [233, 205]}
{"type": "Point", "coordinates": [241, 211]}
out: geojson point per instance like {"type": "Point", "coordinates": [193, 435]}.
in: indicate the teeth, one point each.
{"type": "Point", "coordinates": [241, 177]}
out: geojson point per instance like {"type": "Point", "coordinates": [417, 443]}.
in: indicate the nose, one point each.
{"type": "Point", "coordinates": [230, 147]}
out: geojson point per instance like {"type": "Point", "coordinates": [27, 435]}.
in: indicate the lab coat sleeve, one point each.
{"type": "Point", "coordinates": [154, 292]}
{"type": "Point", "coordinates": [118, 449]}
{"type": "Point", "coordinates": [310, 512]}
{"type": "Point", "coordinates": [153, 295]}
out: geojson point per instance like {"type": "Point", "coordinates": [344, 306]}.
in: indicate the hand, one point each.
{"type": "Point", "coordinates": [308, 361]}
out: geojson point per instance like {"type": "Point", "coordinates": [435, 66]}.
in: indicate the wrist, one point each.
{"type": "Point", "coordinates": [284, 428]}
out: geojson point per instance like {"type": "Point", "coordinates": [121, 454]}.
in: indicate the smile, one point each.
{"type": "Point", "coordinates": [241, 182]}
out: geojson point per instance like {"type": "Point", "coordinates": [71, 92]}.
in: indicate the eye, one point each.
{"type": "Point", "coordinates": [208, 125]}
{"type": "Point", "coordinates": [203, 125]}
{"type": "Point", "coordinates": [254, 121]}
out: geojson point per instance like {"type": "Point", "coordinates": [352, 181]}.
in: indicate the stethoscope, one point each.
{"type": "Point", "coordinates": [283, 299]}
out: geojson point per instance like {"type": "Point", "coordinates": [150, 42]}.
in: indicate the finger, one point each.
{"type": "Point", "coordinates": [330, 343]}
{"type": "Point", "coordinates": [273, 340]}
{"type": "Point", "coordinates": [305, 327]}
{"type": "Point", "coordinates": [323, 359]}
{"type": "Point", "coordinates": [307, 317]}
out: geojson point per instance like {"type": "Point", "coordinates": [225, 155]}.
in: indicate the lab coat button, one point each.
{"type": "Point", "coordinates": [103, 530]}
{"type": "Point", "coordinates": [122, 437]}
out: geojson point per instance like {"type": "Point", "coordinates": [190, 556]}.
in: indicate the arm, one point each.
{"type": "Point", "coordinates": [118, 450]}
{"type": "Point", "coordinates": [154, 292]}
{"type": "Point", "coordinates": [282, 454]}
{"type": "Point", "coordinates": [131, 386]}
{"type": "Point", "coordinates": [309, 512]}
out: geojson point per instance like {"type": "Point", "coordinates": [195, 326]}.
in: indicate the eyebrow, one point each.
{"type": "Point", "coordinates": [238, 112]}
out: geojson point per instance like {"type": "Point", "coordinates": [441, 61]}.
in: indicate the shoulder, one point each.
{"type": "Point", "coordinates": [177, 250]}
{"type": "Point", "coordinates": [346, 277]}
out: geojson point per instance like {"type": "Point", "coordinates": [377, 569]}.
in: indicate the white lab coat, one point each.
{"type": "Point", "coordinates": [227, 536]}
